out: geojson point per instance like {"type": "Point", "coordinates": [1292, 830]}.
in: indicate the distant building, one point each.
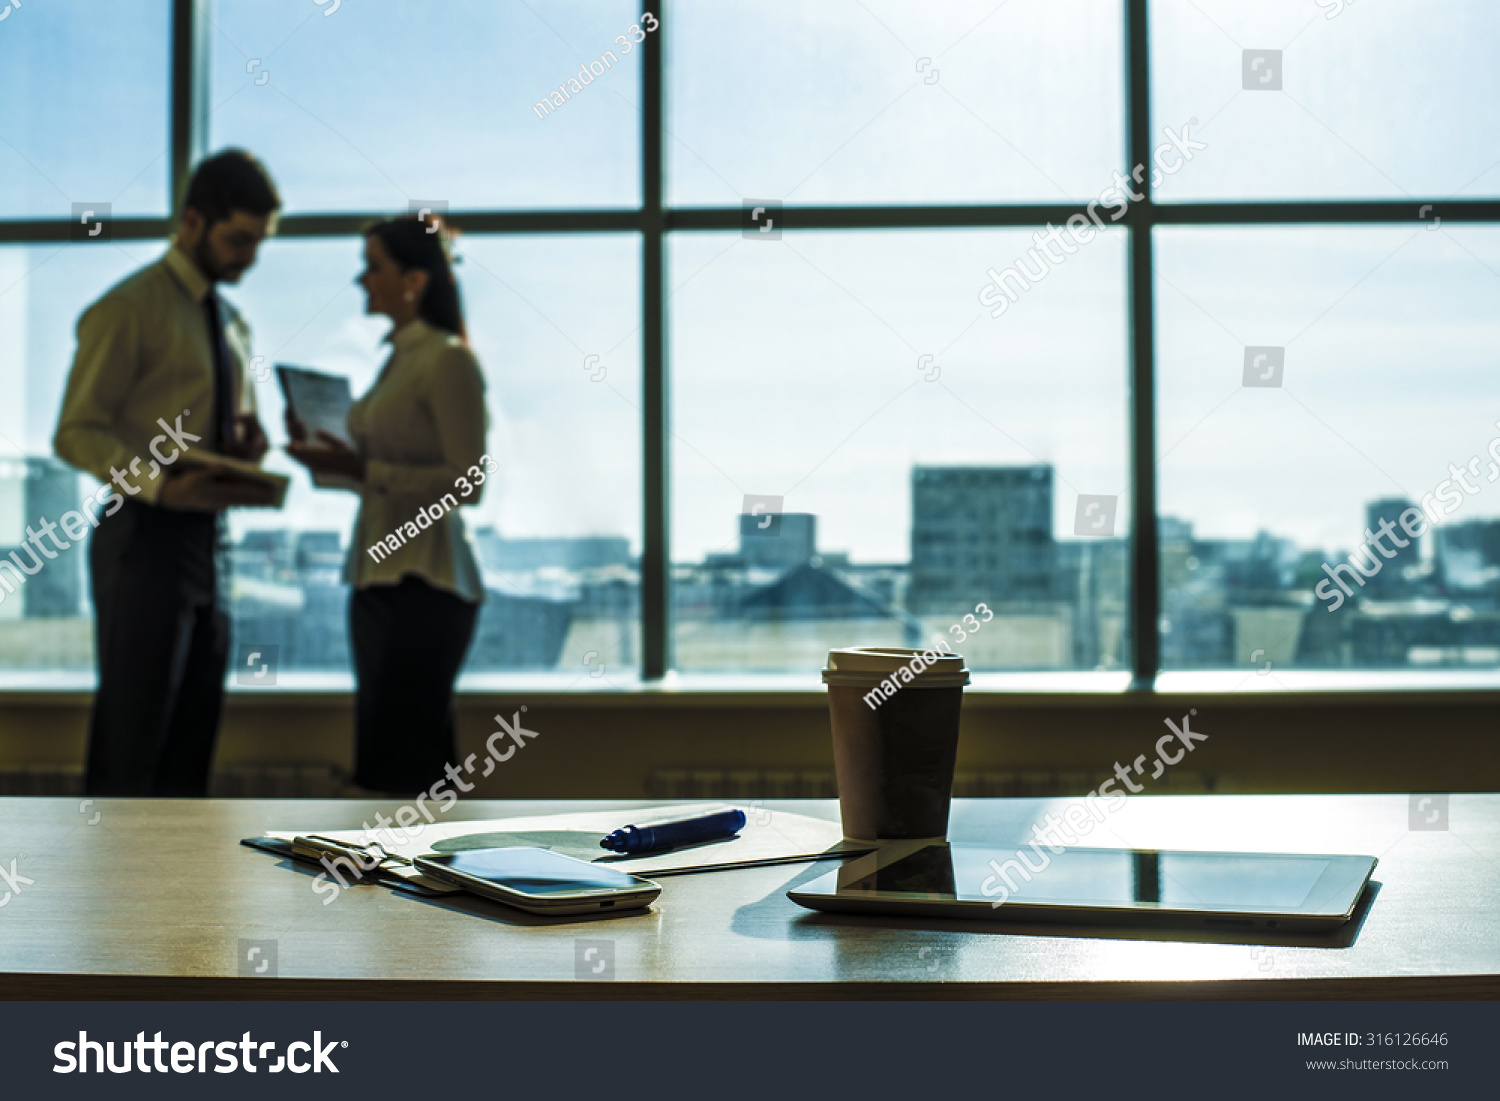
{"type": "Point", "coordinates": [1224, 599]}
{"type": "Point", "coordinates": [1092, 581]}
{"type": "Point", "coordinates": [770, 541]}
{"type": "Point", "coordinates": [809, 592]}
{"type": "Point", "coordinates": [264, 553]}
{"type": "Point", "coordinates": [1254, 571]}
{"type": "Point", "coordinates": [519, 632]}
{"type": "Point", "coordinates": [317, 551]}
{"type": "Point", "coordinates": [539, 589]}
{"type": "Point", "coordinates": [1424, 633]}
{"type": "Point", "coordinates": [1468, 556]}
{"type": "Point", "coordinates": [788, 539]}
{"type": "Point", "coordinates": [1391, 582]}
{"type": "Point", "coordinates": [579, 552]}
{"type": "Point", "coordinates": [981, 533]}
{"type": "Point", "coordinates": [32, 490]}
{"type": "Point", "coordinates": [286, 590]}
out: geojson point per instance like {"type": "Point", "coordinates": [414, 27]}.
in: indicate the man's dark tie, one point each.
{"type": "Point", "coordinates": [224, 394]}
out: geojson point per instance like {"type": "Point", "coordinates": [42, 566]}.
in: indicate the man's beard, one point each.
{"type": "Point", "coordinates": [208, 262]}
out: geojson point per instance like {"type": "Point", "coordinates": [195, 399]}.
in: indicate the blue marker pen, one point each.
{"type": "Point", "coordinates": [673, 832]}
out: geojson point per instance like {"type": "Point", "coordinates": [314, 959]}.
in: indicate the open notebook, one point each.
{"type": "Point", "coordinates": [241, 470]}
{"type": "Point", "coordinates": [769, 837]}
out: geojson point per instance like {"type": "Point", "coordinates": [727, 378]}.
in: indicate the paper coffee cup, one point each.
{"type": "Point", "coordinates": [894, 713]}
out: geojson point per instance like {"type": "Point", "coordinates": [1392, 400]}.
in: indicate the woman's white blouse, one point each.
{"type": "Point", "coordinates": [421, 428]}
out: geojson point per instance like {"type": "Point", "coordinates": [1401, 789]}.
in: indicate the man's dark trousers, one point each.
{"type": "Point", "coordinates": [163, 651]}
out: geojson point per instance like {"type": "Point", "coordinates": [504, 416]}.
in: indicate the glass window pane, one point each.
{"type": "Point", "coordinates": [908, 102]}
{"type": "Point", "coordinates": [365, 106]}
{"type": "Point", "coordinates": [1316, 382]}
{"type": "Point", "coordinates": [45, 624]}
{"type": "Point", "coordinates": [86, 118]}
{"type": "Point", "coordinates": [558, 529]}
{"type": "Point", "coordinates": [925, 456]}
{"type": "Point", "coordinates": [1334, 100]}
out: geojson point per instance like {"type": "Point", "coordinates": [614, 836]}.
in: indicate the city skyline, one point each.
{"type": "Point", "coordinates": [781, 594]}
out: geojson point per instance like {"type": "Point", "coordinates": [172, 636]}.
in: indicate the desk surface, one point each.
{"type": "Point", "coordinates": [152, 899]}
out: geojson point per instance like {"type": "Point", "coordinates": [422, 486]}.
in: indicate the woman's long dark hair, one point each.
{"type": "Point", "coordinates": [413, 244]}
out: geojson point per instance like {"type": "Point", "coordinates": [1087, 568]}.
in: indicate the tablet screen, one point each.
{"type": "Point", "coordinates": [320, 401]}
{"type": "Point", "coordinates": [1101, 877]}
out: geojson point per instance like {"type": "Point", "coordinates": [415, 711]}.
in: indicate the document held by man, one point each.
{"type": "Point", "coordinates": [240, 470]}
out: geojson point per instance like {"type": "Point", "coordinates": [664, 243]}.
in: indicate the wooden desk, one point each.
{"type": "Point", "coordinates": [152, 900]}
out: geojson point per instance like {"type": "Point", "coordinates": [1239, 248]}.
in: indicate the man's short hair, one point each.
{"type": "Point", "coordinates": [229, 181]}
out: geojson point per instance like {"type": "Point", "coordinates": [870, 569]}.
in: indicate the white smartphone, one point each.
{"type": "Point", "coordinates": [540, 881]}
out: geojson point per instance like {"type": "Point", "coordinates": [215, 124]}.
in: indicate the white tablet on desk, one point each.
{"type": "Point", "coordinates": [1276, 891]}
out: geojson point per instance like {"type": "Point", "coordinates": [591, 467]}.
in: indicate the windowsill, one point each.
{"type": "Point", "coordinates": [1089, 689]}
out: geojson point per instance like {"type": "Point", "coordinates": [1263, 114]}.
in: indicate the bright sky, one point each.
{"type": "Point", "coordinates": [795, 362]}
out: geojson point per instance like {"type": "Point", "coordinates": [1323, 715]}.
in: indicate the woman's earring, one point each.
{"type": "Point", "coordinates": [410, 297]}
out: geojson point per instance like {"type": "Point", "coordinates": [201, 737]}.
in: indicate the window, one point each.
{"type": "Point", "coordinates": [818, 325]}
{"type": "Point", "coordinates": [923, 456]}
{"type": "Point", "coordinates": [557, 529]}
{"type": "Point", "coordinates": [892, 103]}
{"type": "Point", "coordinates": [383, 101]}
{"type": "Point", "coordinates": [86, 111]}
{"type": "Point", "coordinates": [1316, 384]}
{"type": "Point", "coordinates": [1338, 100]}
{"type": "Point", "coordinates": [44, 623]}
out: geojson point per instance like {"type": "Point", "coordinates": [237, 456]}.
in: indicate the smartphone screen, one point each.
{"type": "Point", "coordinates": [536, 871]}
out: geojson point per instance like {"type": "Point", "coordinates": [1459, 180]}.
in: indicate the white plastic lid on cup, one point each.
{"type": "Point", "coordinates": [862, 666]}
